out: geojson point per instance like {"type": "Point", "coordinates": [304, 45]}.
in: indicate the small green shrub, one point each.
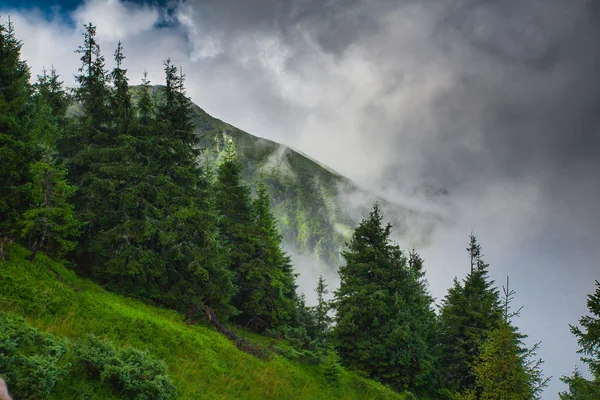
{"type": "Point", "coordinates": [408, 395]}
{"type": "Point", "coordinates": [31, 361]}
{"type": "Point", "coordinates": [302, 348]}
{"type": "Point", "coordinates": [332, 368]}
{"type": "Point", "coordinates": [129, 372]}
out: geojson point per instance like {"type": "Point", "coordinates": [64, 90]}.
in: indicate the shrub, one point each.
{"type": "Point", "coordinates": [130, 372]}
{"type": "Point", "coordinates": [332, 368]}
{"type": "Point", "coordinates": [302, 348]}
{"type": "Point", "coordinates": [31, 361]}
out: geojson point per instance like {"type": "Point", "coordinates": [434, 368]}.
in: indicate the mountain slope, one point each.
{"type": "Point", "coordinates": [202, 363]}
{"type": "Point", "coordinates": [317, 209]}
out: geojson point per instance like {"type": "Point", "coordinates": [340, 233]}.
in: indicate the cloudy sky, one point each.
{"type": "Point", "coordinates": [496, 101]}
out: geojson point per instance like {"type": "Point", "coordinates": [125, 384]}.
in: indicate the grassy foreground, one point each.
{"type": "Point", "coordinates": [201, 362]}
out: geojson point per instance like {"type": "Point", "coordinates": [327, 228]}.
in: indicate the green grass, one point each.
{"type": "Point", "coordinates": [202, 363]}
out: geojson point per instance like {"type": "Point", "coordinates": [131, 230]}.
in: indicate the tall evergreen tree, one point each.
{"type": "Point", "coordinates": [423, 322]}
{"type": "Point", "coordinates": [49, 224]}
{"type": "Point", "coordinates": [127, 259]}
{"type": "Point", "coordinates": [588, 339]}
{"type": "Point", "coordinates": [269, 275]}
{"type": "Point", "coordinates": [187, 236]}
{"type": "Point", "coordinates": [87, 147]}
{"type": "Point", "coordinates": [236, 226]}
{"type": "Point", "coordinates": [16, 148]}
{"type": "Point", "coordinates": [375, 321]}
{"type": "Point", "coordinates": [470, 311]}
{"type": "Point", "coordinates": [321, 311]}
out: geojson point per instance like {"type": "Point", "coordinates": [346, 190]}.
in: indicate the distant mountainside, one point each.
{"type": "Point", "coordinates": [317, 208]}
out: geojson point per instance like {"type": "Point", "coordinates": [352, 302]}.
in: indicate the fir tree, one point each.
{"type": "Point", "coordinates": [270, 275]}
{"type": "Point", "coordinates": [187, 236]}
{"type": "Point", "coordinates": [588, 339]}
{"type": "Point", "coordinates": [423, 322]}
{"type": "Point", "coordinates": [321, 311]}
{"type": "Point", "coordinates": [16, 148]}
{"type": "Point", "coordinates": [375, 323]}
{"type": "Point", "coordinates": [49, 224]}
{"type": "Point", "coordinates": [505, 369]}
{"type": "Point", "coordinates": [236, 226]}
{"type": "Point", "coordinates": [87, 146]}
{"type": "Point", "coordinates": [470, 311]}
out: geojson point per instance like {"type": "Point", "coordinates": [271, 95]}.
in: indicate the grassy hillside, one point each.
{"type": "Point", "coordinates": [202, 363]}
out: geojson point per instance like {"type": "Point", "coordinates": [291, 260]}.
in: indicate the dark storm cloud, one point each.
{"type": "Point", "coordinates": [522, 97]}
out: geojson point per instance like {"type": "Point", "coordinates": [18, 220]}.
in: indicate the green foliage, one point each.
{"type": "Point", "coordinates": [580, 388]}
{"type": "Point", "coordinates": [16, 148]}
{"type": "Point", "coordinates": [504, 369]}
{"type": "Point", "coordinates": [30, 360]}
{"type": "Point", "coordinates": [469, 312]}
{"type": "Point", "coordinates": [499, 368]}
{"type": "Point", "coordinates": [202, 363]}
{"type": "Point", "coordinates": [270, 276]}
{"type": "Point", "coordinates": [323, 320]}
{"type": "Point", "coordinates": [588, 339]}
{"type": "Point", "coordinates": [332, 370]}
{"type": "Point", "coordinates": [377, 330]}
{"type": "Point", "coordinates": [236, 227]}
{"type": "Point", "coordinates": [49, 223]}
{"type": "Point", "coordinates": [130, 372]}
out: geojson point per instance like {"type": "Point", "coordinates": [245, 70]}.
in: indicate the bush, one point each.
{"type": "Point", "coordinates": [332, 368]}
{"type": "Point", "coordinates": [302, 348]}
{"type": "Point", "coordinates": [31, 361]}
{"type": "Point", "coordinates": [130, 372]}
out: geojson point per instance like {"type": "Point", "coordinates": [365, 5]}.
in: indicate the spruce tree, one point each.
{"type": "Point", "coordinates": [269, 276]}
{"type": "Point", "coordinates": [49, 224]}
{"type": "Point", "coordinates": [423, 322]}
{"type": "Point", "coordinates": [236, 226]}
{"type": "Point", "coordinates": [87, 146]}
{"type": "Point", "coordinates": [187, 236]}
{"type": "Point", "coordinates": [505, 369]}
{"type": "Point", "coordinates": [588, 339]}
{"type": "Point", "coordinates": [321, 311]}
{"type": "Point", "coordinates": [376, 325]}
{"type": "Point", "coordinates": [17, 151]}
{"type": "Point", "coordinates": [123, 242]}
{"type": "Point", "coordinates": [470, 311]}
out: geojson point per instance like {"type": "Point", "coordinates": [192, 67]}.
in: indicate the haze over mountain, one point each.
{"type": "Point", "coordinates": [495, 101]}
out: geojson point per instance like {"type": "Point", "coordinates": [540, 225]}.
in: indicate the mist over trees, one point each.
{"type": "Point", "coordinates": [114, 188]}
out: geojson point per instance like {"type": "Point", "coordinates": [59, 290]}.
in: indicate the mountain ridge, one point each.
{"type": "Point", "coordinates": [316, 207]}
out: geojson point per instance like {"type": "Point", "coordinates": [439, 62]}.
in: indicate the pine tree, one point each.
{"type": "Point", "coordinates": [49, 224]}
{"type": "Point", "coordinates": [375, 321]}
{"type": "Point", "coordinates": [87, 146]}
{"type": "Point", "coordinates": [321, 311]}
{"type": "Point", "coordinates": [17, 151]}
{"type": "Point", "coordinates": [270, 277]}
{"type": "Point", "coordinates": [123, 244]}
{"type": "Point", "coordinates": [121, 105]}
{"type": "Point", "coordinates": [505, 369]}
{"type": "Point", "coordinates": [588, 339]}
{"type": "Point", "coordinates": [236, 226]}
{"type": "Point", "coordinates": [423, 322]}
{"type": "Point", "coordinates": [187, 236]}
{"type": "Point", "coordinates": [469, 312]}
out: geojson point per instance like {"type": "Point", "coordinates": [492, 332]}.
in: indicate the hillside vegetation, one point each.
{"type": "Point", "coordinates": [201, 362]}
